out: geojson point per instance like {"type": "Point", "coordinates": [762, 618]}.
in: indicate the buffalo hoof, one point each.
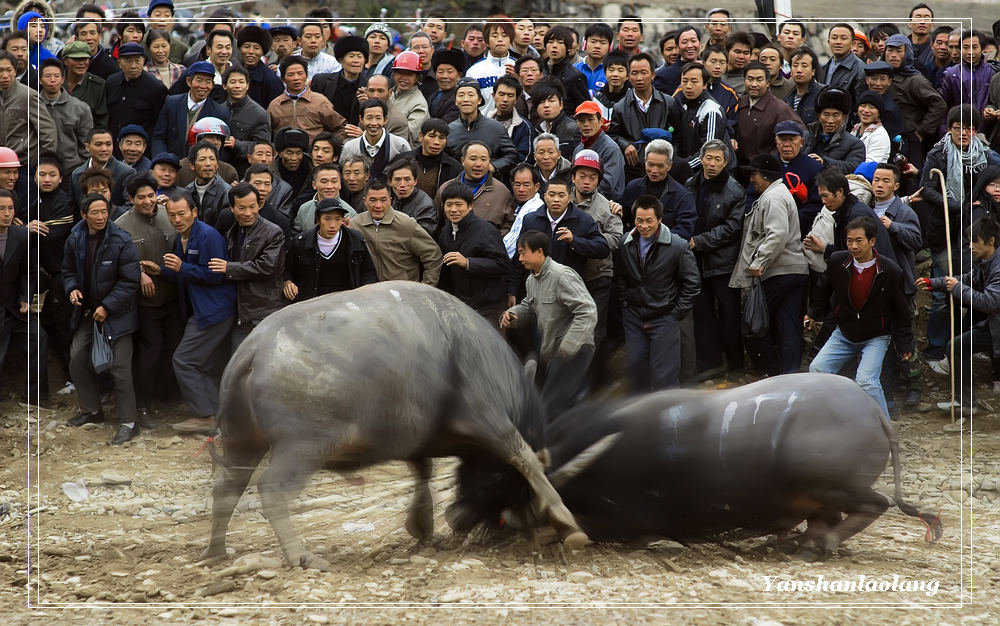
{"type": "Point", "coordinates": [311, 561]}
{"type": "Point", "coordinates": [811, 554]}
{"type": "Point", "coordinates": [212, 553]}
{"type": "Point", "coordinates": [420, 524]}
{"type": "Point", "coordinates": [576, 540]}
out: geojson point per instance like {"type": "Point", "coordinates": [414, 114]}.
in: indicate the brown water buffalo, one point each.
{"type": "Point", "coordinates": [390, 371]}
{"type": "Point", "coordinates": [751, 461]}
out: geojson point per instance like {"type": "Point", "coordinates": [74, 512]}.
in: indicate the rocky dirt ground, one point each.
{"type": "Point", "coordinates": [128, 553]}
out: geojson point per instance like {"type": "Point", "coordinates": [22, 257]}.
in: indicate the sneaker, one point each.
{"type": "Point", "coordinates": [996, 387]}
{"type": "Point", "coordinates": [958, 406]}
{"type": "Point", "coordinates": [940, 366]}
{"type": "Point", "coordinates": [197, 425]}
{"type": "Point", "coordinates": [67, 389]}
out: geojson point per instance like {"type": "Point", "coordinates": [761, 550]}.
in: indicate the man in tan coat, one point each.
{"type": "Point", "coordinates": [301, 107]}
{"type": "Point", "coordinates": [491, 199]}
{"type": "Point", "coordinates": [399, 246]}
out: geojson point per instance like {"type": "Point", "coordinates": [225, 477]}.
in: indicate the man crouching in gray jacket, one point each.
{"type": "Point", "coordinates": [566, 316]}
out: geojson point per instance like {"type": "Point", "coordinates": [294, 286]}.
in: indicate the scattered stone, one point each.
{"type": "Point", "coordinates": [267, 574]}
{"type": "Point", "coordinates": [318, 619]}
{"type": "Point", "coordinates": [175, 440]}
{"type": "Point", "coordinates": [473, 563]}
{"type": "Point", "coordinates": [255, 562]}
{"type": "Point", "coordinates": [228, 612]}
{"type": "Point", "coordinates": [416, 559]}
{"type": "Point", "coordinates": [217, 587]}
{"type": "Point", "coordinates": [989, 484]}
{"type": "Point", "coordinates": [718, 573]}
{"type": "Point", "coordinates": [580, 577]}
{"type": "Point", "coordinates": [112, 477]}
{"type": "Point", "coordinates": [454, 595]}
{"type": "Point", "coordinates": [56, 551]}
{"type": "Point", "coordinates": [90, 426]}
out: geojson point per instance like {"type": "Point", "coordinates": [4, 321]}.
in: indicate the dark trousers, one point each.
{"type": "Point", "coordinates": [159, 333]}
{"type": "Point", "coordinates": [652, 351]}
{"type": "Point", "coordinates": [600, 290]}
{"type": "Point", "coordinates": [717, 318]}
{"type": "Point", "coordinates": [56, 319]}
{"type": "Point", "coordinates": [564, 379]}
{"type": "Point", "coordinates": [81, 367]}
{"type": "Point", "coordinates": [781, 353]}
{"type": "Point", "coordinates": [29, 338]}
{"type": "Point", "coordinates": [976, 339]}
{"type": "Point", "coordinates": [194, 364]}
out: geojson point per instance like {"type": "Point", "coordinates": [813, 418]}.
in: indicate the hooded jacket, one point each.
{"type": "Point", "coordinates": [922, 106]}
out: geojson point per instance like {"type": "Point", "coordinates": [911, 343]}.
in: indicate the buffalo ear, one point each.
{"type": "Point", "coordinates": [544, 458]}
{"type": "Point", "coordinates": [531, 369]}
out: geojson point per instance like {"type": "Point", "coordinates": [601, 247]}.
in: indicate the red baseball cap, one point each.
{"type": "Point", "coordinates": [589, 108]}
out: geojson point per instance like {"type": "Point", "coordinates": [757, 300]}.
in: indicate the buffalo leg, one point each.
{"type": "Point", "coordinates": [420, 517]}
{"type": "Point", "coordinates": [868, 508]}
{"type": "Point", "coordinates": [228, 489]}
{"type": "Point", "coordinates": [284, 479]}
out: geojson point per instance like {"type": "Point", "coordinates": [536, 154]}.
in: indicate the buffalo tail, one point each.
{"type": "Point", "coordinates": [933, 522]}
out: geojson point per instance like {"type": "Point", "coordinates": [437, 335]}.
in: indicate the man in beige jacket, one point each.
{"type": "Point", "coordinates": [400, 248]}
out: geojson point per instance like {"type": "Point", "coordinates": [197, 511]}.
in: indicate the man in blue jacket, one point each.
{"type": "Point", "coordinates": [575, 235]}
{"type": "Point", "coordinates": [208, 304]}
{"type": "Point", "coordinates": [180, 111]}
{"type": "Point", "coordinates": [101, 278]}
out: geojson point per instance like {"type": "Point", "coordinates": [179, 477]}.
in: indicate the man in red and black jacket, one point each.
{"type": "Point", "coordinates": [869, 306]}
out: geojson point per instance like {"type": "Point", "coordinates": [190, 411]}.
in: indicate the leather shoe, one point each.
{"type": "Point", "coordinates": [86, 418]}
{"type": "Point", "coordinates": [125, 433]}
{"type": "Point", "coordinates": [913, 397]}
{"type": "Point", "coordinates": [146, 420]}
{"type": "Point", "coordinates": [196, 425]}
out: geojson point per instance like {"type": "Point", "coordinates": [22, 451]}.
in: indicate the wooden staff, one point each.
{"type": "Point", "coordinates": [951, 307]}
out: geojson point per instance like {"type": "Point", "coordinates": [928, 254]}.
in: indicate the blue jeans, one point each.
{"type": "Point", "coordinates": [838, 351]}
{"type": "Point", "coordinates": [937, 320]}
{"type": "Point", "coordinates": [652, 351]}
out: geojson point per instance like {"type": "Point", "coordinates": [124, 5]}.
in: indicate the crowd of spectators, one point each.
{"type": "Point", "coordinates": [579, 188]}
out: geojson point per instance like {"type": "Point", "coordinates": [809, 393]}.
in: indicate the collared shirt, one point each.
{"type": "Point", "coordinates": [643, 106]}
{"type": "Point", "coordinates": [554, 221]}
{"type": "Point", "coordinates": [192, 105]}
{"type": "Point", "coordinates": [322, 63]}
{"type": "Point", "coordinates": [373, 148]}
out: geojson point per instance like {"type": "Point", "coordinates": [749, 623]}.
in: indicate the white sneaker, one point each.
{"type": "Point", "coordinates": [67, 389]}
{"type": "Point", "coordinates": [996, 387]}
{"type": "Point", "coordinates": [941, 366]}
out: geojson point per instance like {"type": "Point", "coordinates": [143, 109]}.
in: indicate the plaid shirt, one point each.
{"type": "Point", "coordinates": [174, 71]}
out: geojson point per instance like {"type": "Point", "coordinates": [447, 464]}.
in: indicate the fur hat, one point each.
{"type": "Point", "coordinates": [351, 43]}
{"type": "Point", "coordinates": [288, 137]}
{"type": "Point", "coordinates": [254, 34]}
{"type": "Point", "coordinates": [834, 99]}
{"type": "Point", "coordinates": [454, 58]}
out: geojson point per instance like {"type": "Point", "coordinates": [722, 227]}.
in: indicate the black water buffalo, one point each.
{"type": "Point", "coordinates": [751, 461]}
{"type": "Point", "coordinates": [390, 371]}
